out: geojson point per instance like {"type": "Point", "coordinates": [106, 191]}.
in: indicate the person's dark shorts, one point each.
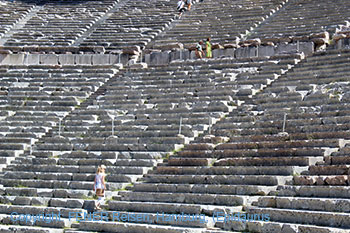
{"type": "Point", "coordinates": [182, 10]}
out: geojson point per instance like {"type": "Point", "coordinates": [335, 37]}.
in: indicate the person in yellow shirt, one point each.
{"type": "Point", "coordinates": [208, 48]}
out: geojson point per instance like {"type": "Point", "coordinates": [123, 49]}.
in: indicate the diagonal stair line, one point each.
{"type": "Point", "coordinates": [117, 5]}
{"type": "Point", "coordinates": [20, 24]}
{"type": "Point", "coordinates": [267, 18]}
{"type": "Point", "coordinates": [176, 20]}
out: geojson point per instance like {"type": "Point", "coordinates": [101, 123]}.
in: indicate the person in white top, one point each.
{"type": "Point", "coordinates": [181, 7]}
{"type": "Point", "coordinates": [100, 185]}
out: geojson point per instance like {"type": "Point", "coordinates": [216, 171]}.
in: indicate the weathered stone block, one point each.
{"type": "Point", "coordinates": [32, 59]}
{"type": "Point", "coordinates": [100, 59]}
{"type": "Point", "coordinates": [164, 58]}
{"type": "Point", "coordinates": [48, 59]}
{"type": "Point", "coordinates": [84, 59]}
{"type": "Point", "coordinates": [336, 180]}
{"type": "Point", "coordinates": [148, 58]}
{"type": "Point", "coordinates": [307, 48]}
{"type": "Point", "coordinates": [265, 51]}
{"type": "Point", "coordinates": [75, 203]}
{"type": "Point", "coordinates": [22, 201]}
{"type": "Point", "coordinates": [58, 202]}
{"type": "Point", "coordinates": [303, 180]}
{"type": "Point", "coordinates": [175, 55]}
{"type": "Point", "coordinates": [193, 55]}
{"type": "Point", "coordinates": [229, 52]}
{"type": "Point", "coordinates": [185, 54]}
{"type": "Point", "coordinates": [13, 59]}
{"type": "Point", "coordinates": [245, 52]}
{"type": "Point", "coordinates": [114, 59]}
{"type": "Point", "coordinates": [218, 52]}
{"type": "Point", "coordinates": [284, 48]}
{"type": "Point", "coordinates": [66, 59]}
{"type": "Point", "coordinates": [40, 201]}
{"type": "Point", "coordinates": [153, 57]}
{"type": "Point", "coordinates": [2, 57]}
{"type": "Point", "coordinates": [188, 162]}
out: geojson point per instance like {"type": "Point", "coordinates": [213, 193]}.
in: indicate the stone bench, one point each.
{"type": "Point", "coordinates": [263, 226]}
{"type": "Point", "coordinates": [209, 199]}
{"type": "Point", "coordinates": [204, 188]}
{"type": "Point", "coordinates": [312, 204]}
{"type": "Point", "coordinates": [125, 227]}
{"type": "Point", "coordinates": [202, 179]}
{"type": "Point", "coordinates": [320, 218]}
{"type": "Point", "coordinates": [314, 191]}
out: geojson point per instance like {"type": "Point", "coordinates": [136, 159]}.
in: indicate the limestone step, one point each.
{"type": "Point", "coordinates": [204, 188]}
{"type": "Point", "coordinates": [272, 226]}
{"type": "Point", "coordinates": [301, 203]}
{"type": "Point", "coordinates": [54, 184]}
{"type": "Point", "coordinates": [122, 227]}
{"type": "Point", "coordinates": [339, 180]}
{"type": "Point", "coordinates": [288, 144]}
{"type": "Point", "coordinates": [76, 169]}
{"type": "Point", "coordinates": [51, 193]}
{"type": "Point", "coordinates": [268, 161]}
{"type": "Point", "coordinates": [227, 153]}
{"type": "Point", "coordinates": [12, 228]}
{"type": "Point", "coordinates": [215, 179]}
{"type": "Point", "coordinates": [339, 160]}
{"type": "Point", "coordinates": [188, 198]}
{"type": "Point", "coordinates": [66, 176]}
{"type": "Point", "coordinates": [217, 230]}
{"type": "Point", "coordinates": [159, 218]}
{"type": "Point", "coordinates": [314, 191]}
{"type": "Point", "coordinates": [250, 169]}
{"type": "Point", "coordinates": [58, 216]}
{"type": "Point", "coordinates": [319, 218]}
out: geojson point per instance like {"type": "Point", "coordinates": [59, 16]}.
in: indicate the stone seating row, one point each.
{"type": "Point", "coordinates": [49, 49]}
